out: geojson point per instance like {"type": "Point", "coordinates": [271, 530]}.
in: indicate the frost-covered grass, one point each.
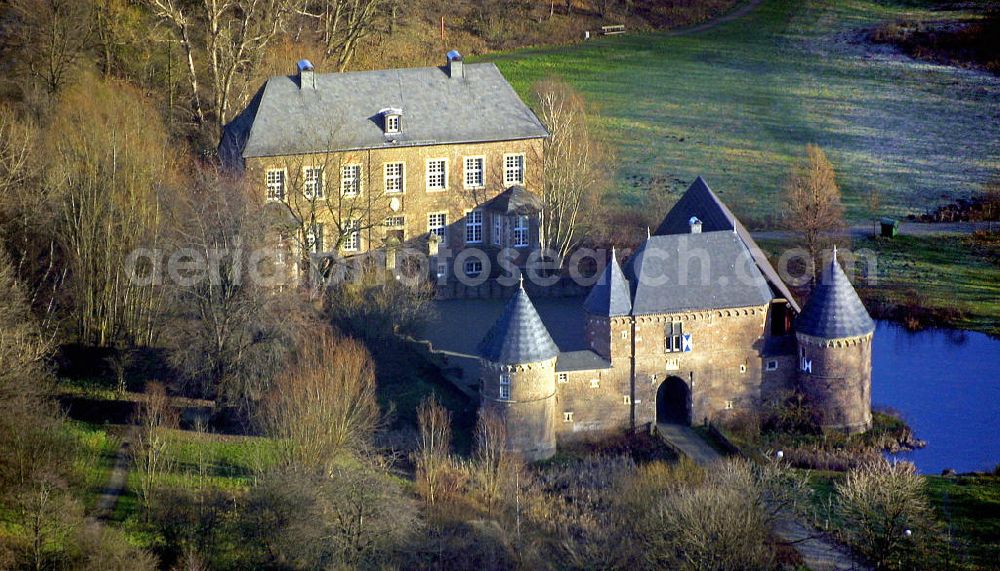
{"type": "Point", "coordinates": [738, 103]}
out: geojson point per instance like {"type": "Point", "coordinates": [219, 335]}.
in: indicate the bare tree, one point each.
{"type": "Point", "coordinates": [324, 404]}
{"type": "Point", "coordinates": [350, 516]}
{"type": "Point", "coordinates": [431, 458]}
{"type": "Point", "coordinates": [107, 156]}
{"type": "Point", "coordinates": [495, 466]}
{"type": "Point", "coordinates": [575, 169]}
{"type": "Point", "coordinates": [885, 512]}
{"type": "Point", "coordinates": [723, 522]}
{"type": "Point", "coordinates": [149, 451]}
{"type": "Point", "coordinates": [342, 24]}
{"type": "Point", "coordinates": [49, 39]}
{"type": "Point", "coordinates": [225, 40]}
{"type": "Point", "coordinates": [232, 325]}
{"type": "Point", "coordinates": [873, 201]}
{"type": "Point", "coordinates": [812, 201]}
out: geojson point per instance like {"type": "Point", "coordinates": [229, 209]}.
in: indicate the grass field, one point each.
{"type": "Point", "coordinates": [956, 276]}
{"type": "Point", "coordinates": [946, 280]}
{"type": "Point", "coordinates": [738, 103]}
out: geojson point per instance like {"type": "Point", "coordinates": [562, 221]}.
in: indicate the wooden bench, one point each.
{"type": "Point", "coordinates": [613, 29]}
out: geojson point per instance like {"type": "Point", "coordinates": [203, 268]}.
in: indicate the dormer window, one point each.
{"type": "Point", "coordinates": [392, 120]}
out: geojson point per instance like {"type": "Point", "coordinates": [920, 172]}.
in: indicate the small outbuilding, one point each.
{"type": "Point", "coordinates": [890, 227]}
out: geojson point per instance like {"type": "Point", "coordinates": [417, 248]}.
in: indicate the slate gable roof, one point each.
{"type": "Point", "coordinates": [518, 336]}
{"type": "Point", "coordinates": [585, 360]}
{"type": "Point", "coordinates": [515, 200]}
{"type": "Point", "coordinates": [834, 310]}
{"type": "Point", "coordinates": [342, 112]}
{"type": "Point", "coordinates": [699, 201]}
{"type": "Point", "coordinates": [666, 275]}
{"type": "Point", "coordinates": [610, 296]}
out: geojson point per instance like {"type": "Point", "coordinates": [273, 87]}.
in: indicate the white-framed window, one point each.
{"type": "Point", "coordinates": [513, 169]}
{"type": "Point", "coordinates": [350, 180]}
{"type": "Point", "coordinates": [521, 231]}
{"type": "Point", "coordinates": [497, 229]}
{"type": "Point", "coordinates": [352, 241]}
{"type": "Point", "coordinates": [395, 222]}
{"type": "Point", "coordinates": [626, 399]}
{"type": "Point", "coordinates": [743, 368]}
{"type": "Point", "coordinates": [475, 167]}
{"type": "Point", "coordinates": [624, 334]}
{"type": "Point", "coordinates": [505, 386]}
{"type": "Point", "coordinates": [772, 365]}
{"type": "Point", "coordinates": [474, 227]}
{"type": "Point", "coordinates": [394, 177]}
{"type": "Point", "coordinates": [312, 182]}
{"type": "Point", "coordinates": [437, 223]}
{"type": "Point", "coordinates": [595, 383]}
{"type": "Point", "coordinates": [437, 174]}
{"type": "Point", "coordinates": [674, 342]}
{"type": "Point", "coordinates": [473, 267]}
{"type": "Point", "coordinates": [275, 180]}
{"type": "Point", "coordinates": [563, 378]}
{"type": "Point", "coordinates": [314, 238]}
{"type": "Point", "coordinates": [567, 416]}
{"type": "Point", "coordinates": [730, 405]}
{"type": "Point", "coordinates": [392, 123]}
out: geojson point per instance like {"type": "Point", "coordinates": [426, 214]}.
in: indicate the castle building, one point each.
{"type": "Point", "coordinates": [696, 326]}
{"type": "Point", "coordinates": [356, 161]}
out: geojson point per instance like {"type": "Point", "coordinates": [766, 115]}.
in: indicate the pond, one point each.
{"type": "Point", "coordinates": [946, 384]}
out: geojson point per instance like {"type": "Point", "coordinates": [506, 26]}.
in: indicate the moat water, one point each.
{"type": "Point", "coordinates": [946, 384]}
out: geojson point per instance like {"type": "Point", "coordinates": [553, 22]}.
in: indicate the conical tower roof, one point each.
{"type": "Point", "coordinates": [834, 311]}
{"type": "Point", "coordinates": [610, 296]}
{"type": "Point", "coordinates": [519, 336]}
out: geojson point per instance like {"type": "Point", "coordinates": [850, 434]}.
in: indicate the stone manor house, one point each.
{"type": "Point", "coordinates": [696, 325]}
{"type": "Point", "coordinates": [438, 159]}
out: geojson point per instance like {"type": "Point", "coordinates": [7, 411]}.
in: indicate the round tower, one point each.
{"type": "Point", "coordinates": [518, 378]}
{"type": "Point", "coordinates": [834, 334]}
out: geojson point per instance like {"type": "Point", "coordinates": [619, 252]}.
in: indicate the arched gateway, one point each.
{"type": "Point", "coordinates": [673, 402]}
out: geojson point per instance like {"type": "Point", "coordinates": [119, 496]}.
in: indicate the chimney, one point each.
{"type": "Point", "coordinates": [695, 225]}
{"type": "Point", "coordinates": [307, 77]}
{"type": "Point", "coordinates": [455, 69]}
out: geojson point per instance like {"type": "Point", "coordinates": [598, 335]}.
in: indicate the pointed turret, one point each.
{"type": "Point", "coordinates": [834, 311]}
{"type": "Point", "coordinates": [518, 336]}
{"type": "Point", "coordinates": [518, 378]}
{"type": "Point", "coordinates": [834, 333]}
{"type": "Point", "coordinates": [610, 296]}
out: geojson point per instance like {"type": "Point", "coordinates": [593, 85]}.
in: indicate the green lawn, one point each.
{"type": "Point", "coordinates": [739, 102]}
{"type": "Point", "coordinates": [951, 274]}
{"type": "Point", "coordinates": [970, 508]}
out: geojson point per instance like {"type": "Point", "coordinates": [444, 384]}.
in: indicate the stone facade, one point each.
{"type": "Point", "coordinates": [643, 368]}
{"type": "Point", "coordinates": [836, 377]}
{"type": "Point", "coordinates": [414, 204]}
{"type": "Point", "coordinates": [529, 409]}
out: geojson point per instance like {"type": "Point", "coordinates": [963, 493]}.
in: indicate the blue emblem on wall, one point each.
{"type": "Point", "coordinates": [686, 343]}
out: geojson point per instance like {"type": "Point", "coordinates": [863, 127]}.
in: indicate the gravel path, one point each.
{"type": "Point", "coordinates": [116, 482]}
